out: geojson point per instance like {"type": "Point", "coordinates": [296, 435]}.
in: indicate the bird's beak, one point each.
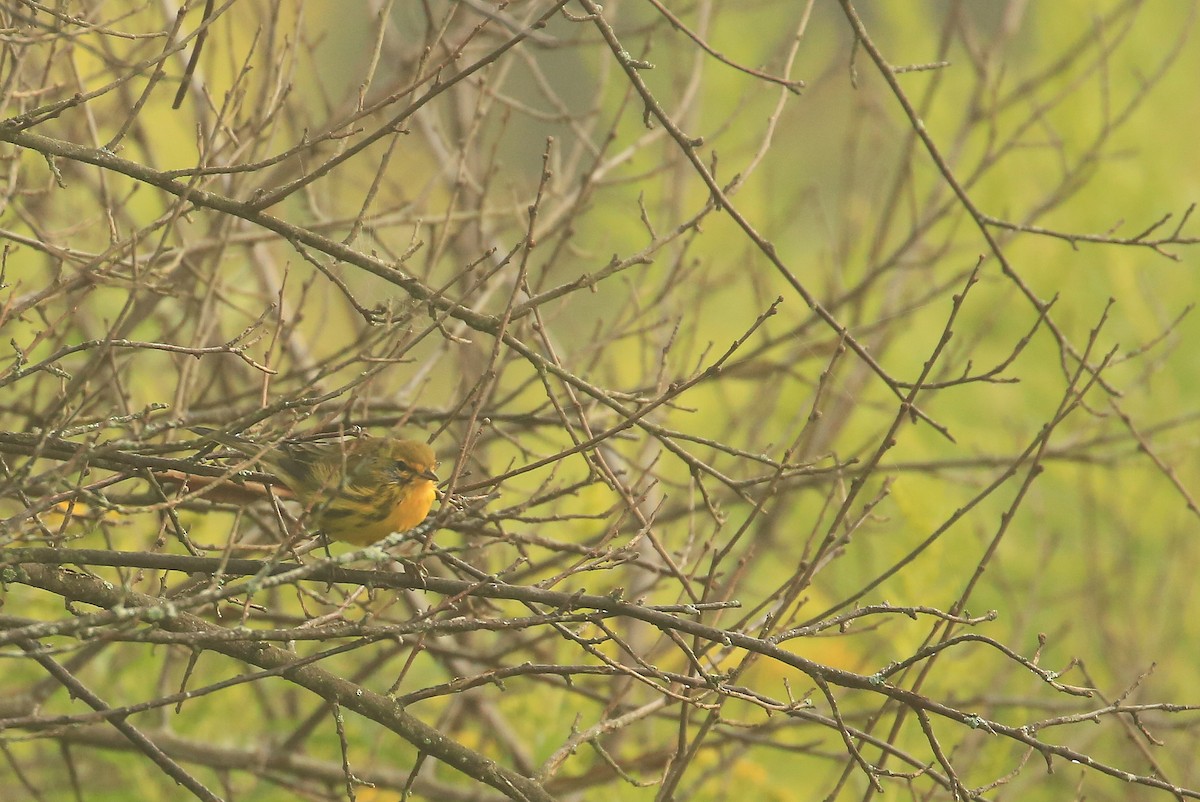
{"type": "Point", "coordinates": [428, 474]}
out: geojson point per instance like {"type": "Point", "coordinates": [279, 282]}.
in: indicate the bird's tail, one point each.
{"type": "Point", "coordinates": [241, 444]}
{"type": "Point", "coordinates": [296, 473]}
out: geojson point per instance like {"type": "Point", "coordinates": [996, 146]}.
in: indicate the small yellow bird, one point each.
{"type": "Point", "coordinates": [359, 491]}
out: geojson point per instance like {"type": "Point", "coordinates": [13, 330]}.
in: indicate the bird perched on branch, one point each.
{"type": "Point", "coordinates": [360, 491]}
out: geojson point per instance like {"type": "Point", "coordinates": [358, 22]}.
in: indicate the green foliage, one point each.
{"type": "Point", "coordinates": [636, 391]}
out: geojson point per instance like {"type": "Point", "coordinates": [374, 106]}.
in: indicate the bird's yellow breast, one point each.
{"type": "Point", "coordinates": [410, 507]}
{"type": "Point", "coordinates": [413, 506]}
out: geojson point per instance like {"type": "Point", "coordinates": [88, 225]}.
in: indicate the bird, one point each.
{"type": "Point", "coordinates": [360, 490]}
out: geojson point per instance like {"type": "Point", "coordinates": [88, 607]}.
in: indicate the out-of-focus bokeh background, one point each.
{"type": "Point", "coordinates": [812, 307]}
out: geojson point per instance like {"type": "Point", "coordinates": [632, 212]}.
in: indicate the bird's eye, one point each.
{"type": "Point", "coordinates": [403, 467]}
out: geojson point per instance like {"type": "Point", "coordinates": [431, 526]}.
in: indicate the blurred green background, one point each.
{"type": "Point", "coordinates": [1070, 117]}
